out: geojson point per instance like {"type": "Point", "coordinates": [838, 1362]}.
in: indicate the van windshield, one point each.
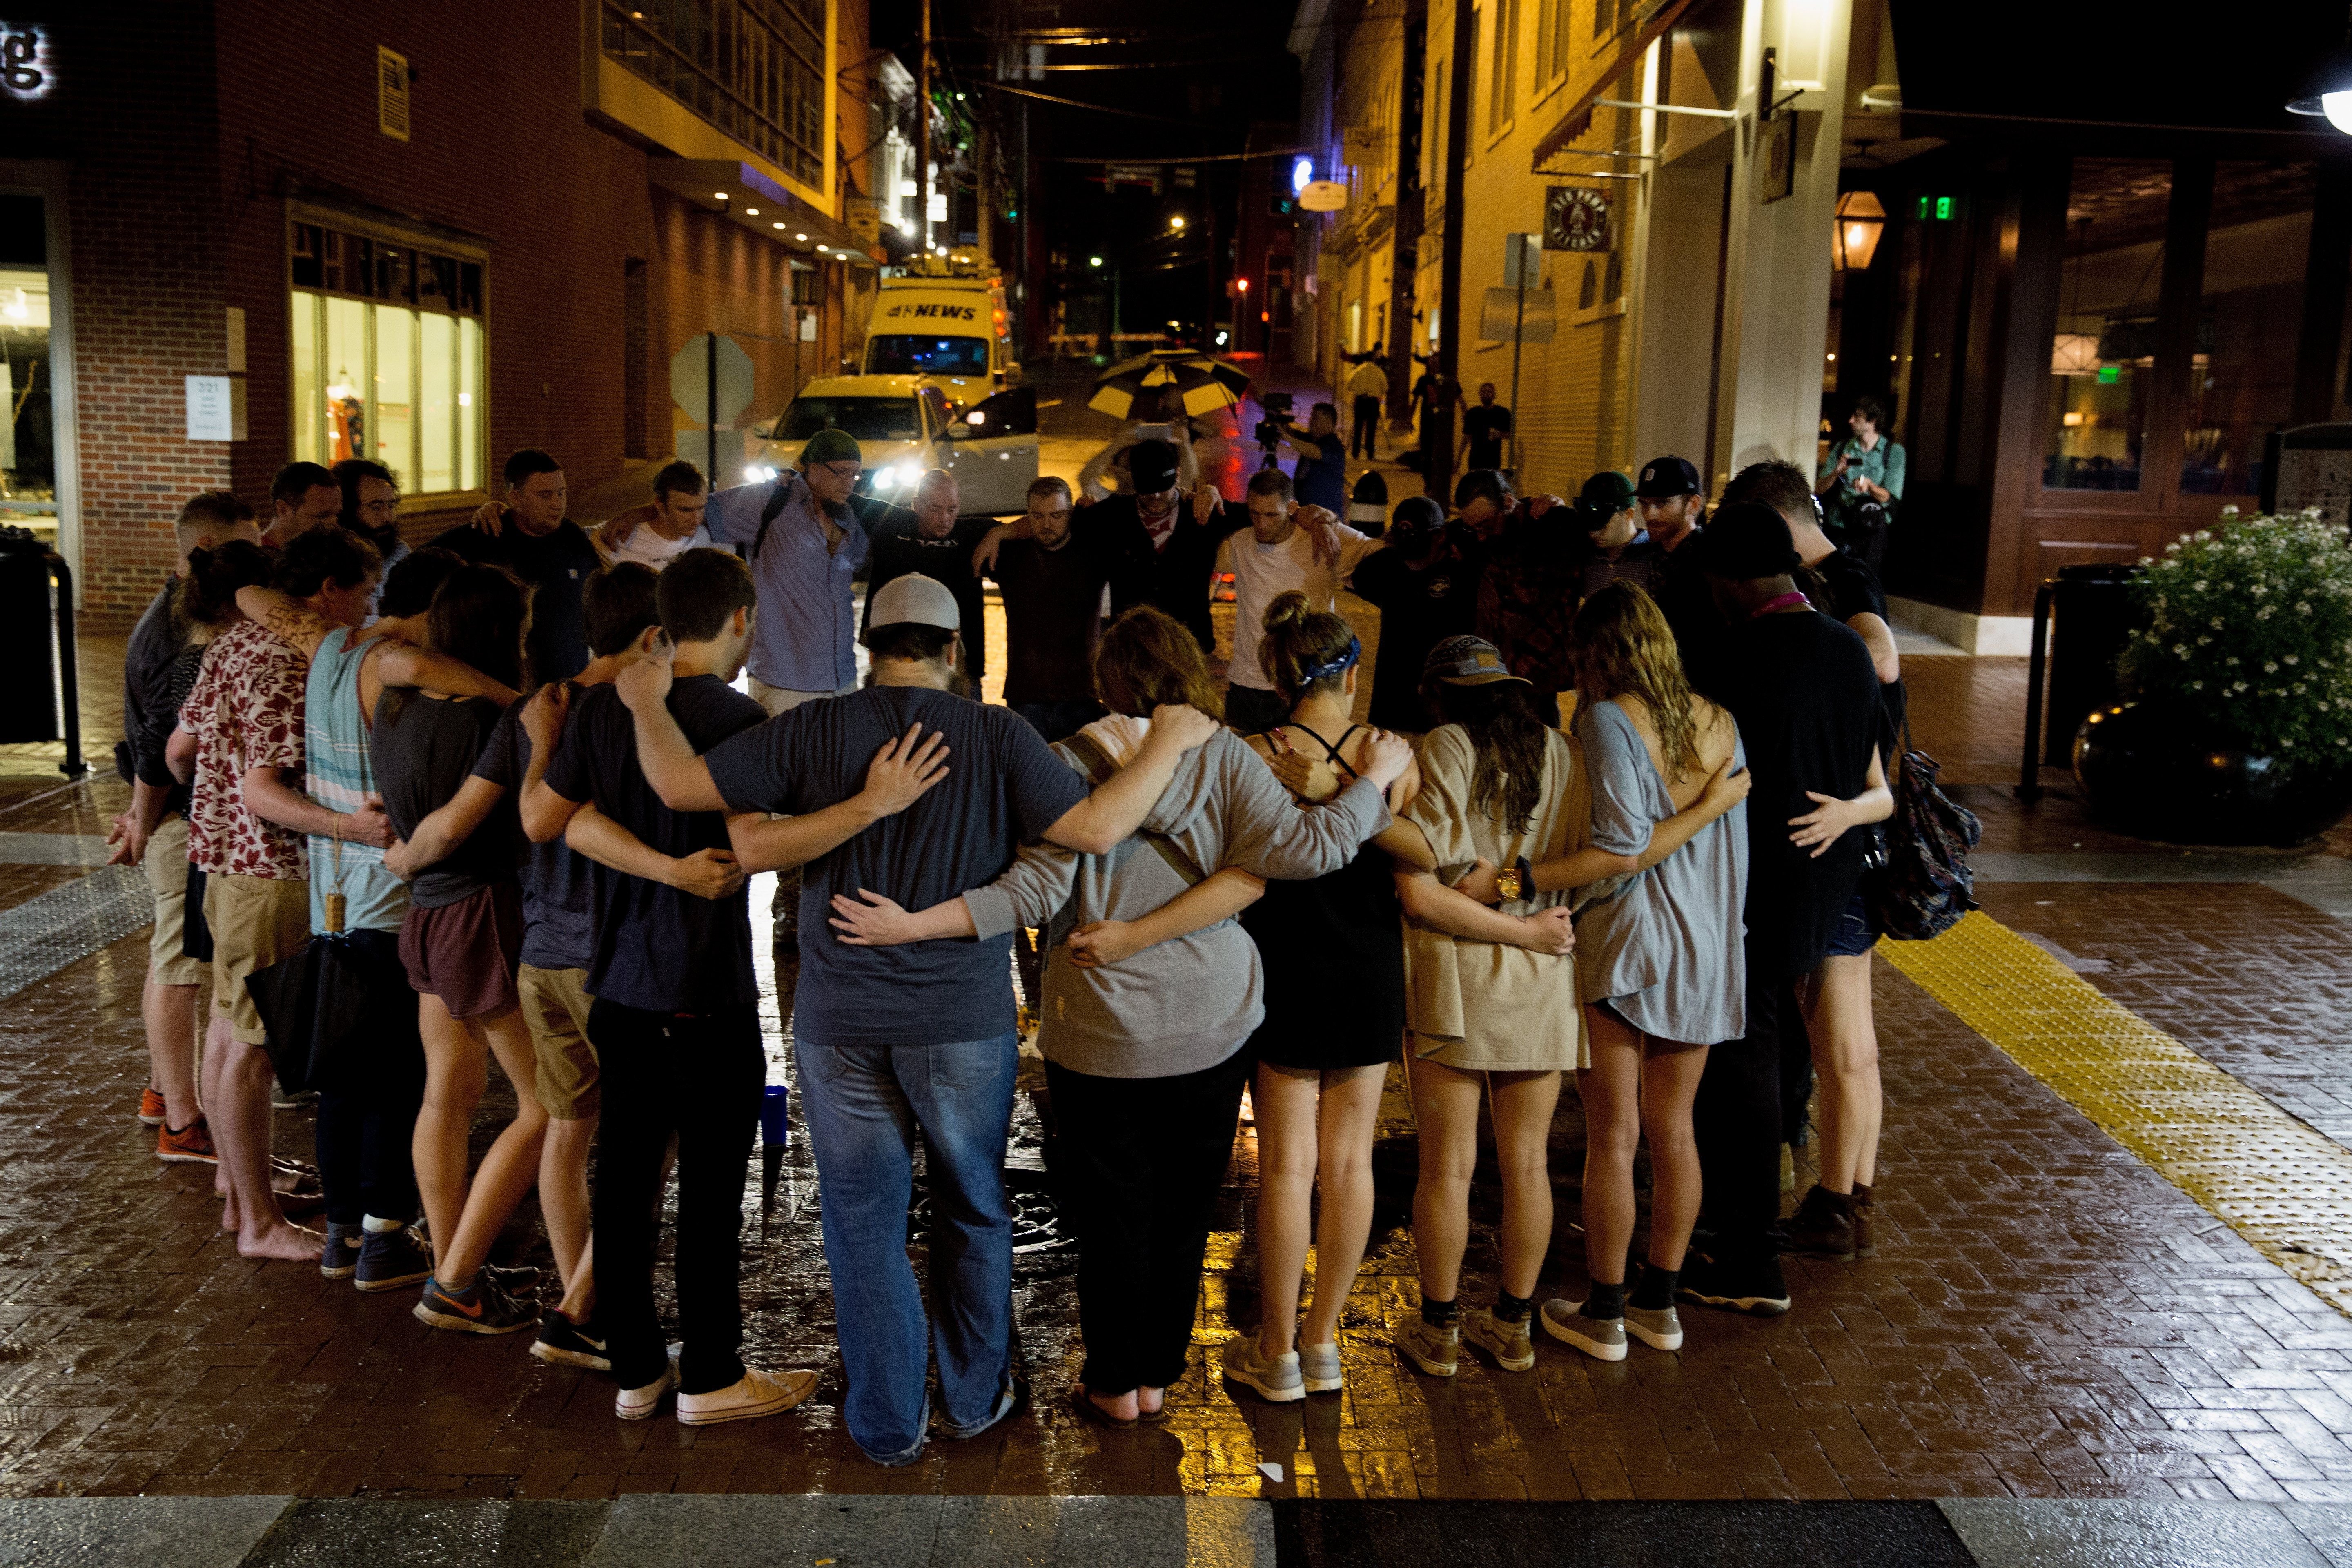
{"type": "Point", "coordinates": [906, 354]}
{"type": "Point", "coordinates": [867, 418]}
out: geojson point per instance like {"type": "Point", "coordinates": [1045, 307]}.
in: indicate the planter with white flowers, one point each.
{"type": "Point", "coordinates": [2236, 726]}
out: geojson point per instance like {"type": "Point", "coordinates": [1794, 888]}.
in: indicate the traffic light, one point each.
{"type": "Point", "coordinates": [1281, 202]}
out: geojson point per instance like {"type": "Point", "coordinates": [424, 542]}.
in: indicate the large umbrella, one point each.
{"type": "Point", "coordinates": [1132, 389]}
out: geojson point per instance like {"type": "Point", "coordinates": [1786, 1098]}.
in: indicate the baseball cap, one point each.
{"type": "Point", "coordinates": [1467, 662]}
{"type": "Point", "coordinates": [1153, 465]}
{"type": "Point", "coordinates": [917, 599]}
{"type": "Point", "coordinates": [1745, 541]}
{"type": "Point", "coordinates": [832, 445]}
{"type": "Point", "coordinates": [1606, 494]}
{"type": "Point", "coordinates": [1663, 477]}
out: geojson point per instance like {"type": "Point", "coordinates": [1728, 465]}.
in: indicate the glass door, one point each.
{"type": "Point", "coordinates": [29, 471]}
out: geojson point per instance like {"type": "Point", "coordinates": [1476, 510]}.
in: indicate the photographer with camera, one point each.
{"type": "Point", "coordinates": [1321, 477]}
{"type": "Point", "coordinates": [1862, 484]}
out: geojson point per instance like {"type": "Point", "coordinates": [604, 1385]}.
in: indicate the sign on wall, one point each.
{"type": "Point", "coordinates": [1779, 157]}
{"type": "Point", "coordinates": [1577, 217]}
{"type": "Point", "coordinates": [215, 408]}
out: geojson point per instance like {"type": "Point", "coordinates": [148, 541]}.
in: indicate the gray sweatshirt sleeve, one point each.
{"type": "Point", "coordinates": [1033, 887]}
{"type": "Point", "coordinates": [1272, 834]}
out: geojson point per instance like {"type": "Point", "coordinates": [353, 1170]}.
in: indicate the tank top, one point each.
{"type": "Point", "coordinates": [339, 776]}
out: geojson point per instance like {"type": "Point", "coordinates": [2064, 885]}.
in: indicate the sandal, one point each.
{"type": "Point", "coordinates": [1088, 1410]}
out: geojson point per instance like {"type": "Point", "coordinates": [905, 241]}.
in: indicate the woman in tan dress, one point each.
{"type": "Point", "coordinates": [1491, 1001]}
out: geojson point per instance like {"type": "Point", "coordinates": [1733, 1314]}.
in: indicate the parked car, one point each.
{"type": "Point", "coordinates": [906, 425]}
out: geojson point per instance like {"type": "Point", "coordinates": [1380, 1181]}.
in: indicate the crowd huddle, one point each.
{"type": "Point", "coordinates": [404, 809]}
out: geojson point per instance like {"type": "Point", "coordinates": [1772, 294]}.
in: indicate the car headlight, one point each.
{"type": "Point", "coordinates": [760, 474]}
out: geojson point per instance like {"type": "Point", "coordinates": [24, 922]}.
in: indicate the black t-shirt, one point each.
{"type": "Point", "coordinates": [1172, 575]}
{"type": "Point", "coordinates": [1689, 605]}
{"type": "Point", "coordinates": [1052, 601]}
{"type": "Point", "coordinates": [658, 949]}
{"type": "Point", "coordinates": [1419, 609]}
{"type": "Point", "coordinates": [1004, 788]}
{"type": "Point", "coordinates": [1485, 428]}
{"type": "Point", "coordinates": [154, 646]}
{"type": "Point", "coordinates": [558, 563]}
{"type": "Point", "coordinates": [1806, 697]}
{"type": "Point", "coordinates": [423, 748]}
{"type": "Point", "coordinates": [559, 886]}
{"type": "Point", "coordinates": [1850, 588]}
{"type": "Point", "coordinates": [899, 548]}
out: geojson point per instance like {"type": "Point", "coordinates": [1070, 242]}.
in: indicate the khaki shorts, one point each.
{"type": "Point", "coordinates": [166, 864]}
{"type": "Point", "coordinates": [555, 1004]}
{"type": "Point", "coordinates": [256, 921]}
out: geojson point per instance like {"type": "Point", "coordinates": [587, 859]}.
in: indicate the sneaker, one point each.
{"type": "Point", "coordinates": [190, 1145]}
{"type": "Point", "coordinates": [748, 1398]}
{"type": "Point", "coordinates": [1865, 1220]}
{"type": "Point", "coordinates": [151, 1108]}
{"type": "Point", "coordinates": [1437, 1352]}
{"type": "Point", "coordinates": [639, 1403]}
{"type": "Point", "coordinates": [1823, 1225]}
{"type": "Point", "coordinates": [1510, 1344]}
{"type": "Point", "coordinates": [280, 1099]}
{"type": "Point", "coordinates": [1274, 1378]}
{"type": "Point", "coordinates": [563, 1343]}
{"type": "Point", "coordinates": [340, 1257]}
{"type": "Point", "coordinates": [1318, 1365]}
{"type": "Point", "coordinates": [1754, 1287]}
{"type": "Point", "coordinates": [1788, 1168]}
{"type": "Point", "coordinates": [392, 1258]}
{"type": "Point", "coordinates": [482, 1308]}
{"type": "Point", "coordinates": [1661, 1330]}
{"type": "Point", "coordinates": [1602, 1339]}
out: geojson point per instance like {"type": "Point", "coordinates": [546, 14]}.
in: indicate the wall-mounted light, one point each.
{"type": "Point", "coordinates": [2328, 89]}
{"type": "Point", "coordinates": [1860, 221]}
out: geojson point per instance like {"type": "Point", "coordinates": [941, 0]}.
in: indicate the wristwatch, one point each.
{"type": "Point", "coordinates": [1507, 885]}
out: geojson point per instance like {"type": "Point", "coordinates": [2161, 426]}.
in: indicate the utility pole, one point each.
{"type": "Point", "coordinates": [1439, 464]}
{"type": "Point", "coordinates": [923, 133]}
{"type": "Point", "coordinates": [980, 215]}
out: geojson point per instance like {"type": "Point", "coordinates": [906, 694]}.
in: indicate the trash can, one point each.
{"type": "Point", "coordinates": [41, 700]}
{"type": "Point", "coordinates": [1368, 505]}
{"type": "Point", "coordinates": [2092, 607]}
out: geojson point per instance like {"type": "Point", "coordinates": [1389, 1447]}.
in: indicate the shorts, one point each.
{"type": "Point", "coordinates": [166, 865]}
{"type": "Point", "coordinates": [256, 921]}
{"type": "Point", "coordinates": [1856, 933]}
{"type": "Point", "coordinates": [1652, 1045]}
{"type": "Point", "coordinates": [784, 698]}
{"type": "Point", "coordinates": [466, 953]}
{"type": "Point", "coordinates": [555, 1003]}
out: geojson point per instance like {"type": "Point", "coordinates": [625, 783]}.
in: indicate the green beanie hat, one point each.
{"type": "Point", "coordinates": [832, 446]}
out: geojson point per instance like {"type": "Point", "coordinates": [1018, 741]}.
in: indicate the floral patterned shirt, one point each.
{"type": "Point", "coordinates": [246, 713]}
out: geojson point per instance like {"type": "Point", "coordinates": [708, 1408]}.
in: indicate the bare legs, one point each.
{"type": "Point", "coordinates": [1627, 1092]}
{"type": "Point", "coordinates": [1836, 1000]}
{"type": "Point", "coordinates": [237, 1091]}
{"type": "Point", "coordinates": [564, 1200]}
{"type": "Point", "coordinates": [170, 1013]}
{"type": "Point", "coordinates": [456, 1070]}
{"type": "Point", "coordinates": [1445, 1099]}
{"type": "Point", "coordinates": [1311, 1123]}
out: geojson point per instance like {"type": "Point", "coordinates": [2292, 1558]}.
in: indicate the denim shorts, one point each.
{"type": "Point", "coordinates": [1855, 933]}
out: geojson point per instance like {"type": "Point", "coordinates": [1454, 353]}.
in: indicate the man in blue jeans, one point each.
{"type": "Point", "coordinates": [891, 1038]}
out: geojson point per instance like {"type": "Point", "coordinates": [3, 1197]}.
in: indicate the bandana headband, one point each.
{"type": "Point", "coordinates": [1344, 662]}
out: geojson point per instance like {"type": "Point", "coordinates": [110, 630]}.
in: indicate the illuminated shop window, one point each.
{"type": "Point", "coordinates": [388, 358]}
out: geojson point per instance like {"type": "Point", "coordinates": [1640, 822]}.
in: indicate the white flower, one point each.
{"type": "Point", "coordinates": [2217, 620]}
{"type": "Point", "coordinates": [2298, 689]}
{"type": "Point", "coordinates": [2229, 512]}
{"type": "Point", "coordinates": [2288, 744]}
{"type": "Point", "coordinates": [2303, 607]}
{"type": "Point", "coordinates": [2270, 666]}
{"type": "Point", "coordinates": [2172, 548]}
{"type": "Point", "coordinates": [2196, 686]}
{"type": "Point", "coordinates": [2202, 535]}
{"type": "Point", "coordinates": [2148, 561]}
{"type": "Point", "coordinates": [2202, 639]}
{"type": "Point", "coordinates": [2180, 649]}
{"type": "Point", "coordinates": [2198, 587]}
{"type": "Point", "coordinates": [2258, 589]}
{"type": "Point", "coordinates": [2263, 614]}
{"type": "Point", "coordinates": [2240, 685]}
{"type": "Point", "coordinates": [2295, 658]}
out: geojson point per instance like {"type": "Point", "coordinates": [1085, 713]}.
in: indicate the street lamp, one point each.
{"type": "Point", "coordinates": [1094, 261]}
{"type": "Point", "coordinates": [2330, 90]}
{"type": "Point", "coordinates": [1860, 221]}
{"type": "Point", "coordinates": [1176, 222]}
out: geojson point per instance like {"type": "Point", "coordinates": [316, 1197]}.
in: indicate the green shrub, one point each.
{"type": "Point", "coordinates": [2245, 633]}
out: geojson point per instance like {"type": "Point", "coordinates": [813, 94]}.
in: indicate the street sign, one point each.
{"type": "Point", "coordinates": [692, 380]}
{"type": "Point", "coordinates": [1522, 261]}
{"type": "Point", "coordinates": [1323, 196]}
{"type": "Point", "coordinates": [865, 221]}
{"type": "Point", "coordinates": [1500, 309]}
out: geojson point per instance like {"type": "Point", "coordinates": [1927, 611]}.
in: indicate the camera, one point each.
{"type": "Point", "coordinates": [1279, 416]}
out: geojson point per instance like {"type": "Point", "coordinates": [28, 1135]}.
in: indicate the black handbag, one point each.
{"type": "Point", "coordinates": [1925, 884]}
{"type": "Point", "coordinates": [196, 931]}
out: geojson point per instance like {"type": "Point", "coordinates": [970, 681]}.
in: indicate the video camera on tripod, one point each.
{"type": "Point", "coordinates": [1272, 430]}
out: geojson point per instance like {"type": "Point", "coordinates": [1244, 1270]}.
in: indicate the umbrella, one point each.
{"type": "Point", "coordinates": [327, 1002]}
{"type": "Point", "coordinates": [1132, 389]}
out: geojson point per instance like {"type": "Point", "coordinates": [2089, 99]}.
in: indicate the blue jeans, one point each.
{"type": "Point", "coordinates": [863, 1104]}
{"type": "Point", "coordinates": [1058, 721]}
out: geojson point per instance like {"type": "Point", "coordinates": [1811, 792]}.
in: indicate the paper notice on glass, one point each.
{"type": "Point", "coordinates": [215, 408]}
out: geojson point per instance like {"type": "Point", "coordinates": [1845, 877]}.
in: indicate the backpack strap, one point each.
{"type": "Point", "coordinates": [775, 503]}
{"type": "Point", "coordinates": [1100, 770]}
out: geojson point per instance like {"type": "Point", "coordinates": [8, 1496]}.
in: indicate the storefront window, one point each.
{"type": "Point", "coordinates": [2102, 360]}
{"type": "Point", "coordinates": [755, 68]}
{"type": "Point", "coordinates": [28, 475]}
{"type": "Point", "coordinates": [387, 345]}
{"type": "Point", "coordinates": [2250, 311]}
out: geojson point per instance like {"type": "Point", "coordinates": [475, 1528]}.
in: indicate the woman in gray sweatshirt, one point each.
{"type": "Point", "coordinates": [1151, 990]}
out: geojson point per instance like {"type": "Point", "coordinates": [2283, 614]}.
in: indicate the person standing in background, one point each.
{"type": "Point", "coordinates": [930, 537]}
{"type": "Point", "coordinates": [1367, 390]}
{"type": "Point", "coordinates": [1054, 583]}
{"type": "Point", "coordinates": [1286, 549]}
{"type": "Point", "coordinates": [534, 538]}
{"type": "Point", "coordinates": [1860, 484]}
{"type": "Point", "coordinates": [670, 524]}
{"type": "Point", "coordinates": [1321, 477]}
{"type": "Point", "coordinates": [1424, 583]}
{"type": "Point", "coordinates": [1485, 428]}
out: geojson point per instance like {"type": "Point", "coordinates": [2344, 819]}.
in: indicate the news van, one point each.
{"type": "Point", "coordinates": [950, 327]}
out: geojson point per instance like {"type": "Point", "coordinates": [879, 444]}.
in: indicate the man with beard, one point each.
{"type": "Point", "coordinates": [1528, 563]}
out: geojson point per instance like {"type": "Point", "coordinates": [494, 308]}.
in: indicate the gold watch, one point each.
{"type": "Point", "coordinates": [1507, 884]}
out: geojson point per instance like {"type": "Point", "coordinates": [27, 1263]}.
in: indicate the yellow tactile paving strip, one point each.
{"type": "Point", "coordinates": [2282, 1186]}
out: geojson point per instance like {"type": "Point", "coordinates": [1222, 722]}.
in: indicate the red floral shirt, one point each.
{"type": "Point", "coordinates": [246, 713]}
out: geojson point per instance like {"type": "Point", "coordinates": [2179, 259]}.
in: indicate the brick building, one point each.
{"type": "Point", "coordinates": [427, 234]}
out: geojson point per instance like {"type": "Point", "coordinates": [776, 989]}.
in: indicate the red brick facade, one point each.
{"type": "Point", "coordinates": [211, 119]}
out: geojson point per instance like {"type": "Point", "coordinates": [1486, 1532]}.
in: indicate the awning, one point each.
{"type": "Point", "coordinates": [759, 204]}
{"type": "Point", "coordinates": [1578, 118]}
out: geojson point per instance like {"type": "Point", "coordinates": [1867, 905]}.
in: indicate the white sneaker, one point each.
{"type": "Point", "coordinates": [1320, 1365]}
{"type": "Point", "coordinates": [639, 1403]}
{"type": "Point", "coordinates": [754, 1394]}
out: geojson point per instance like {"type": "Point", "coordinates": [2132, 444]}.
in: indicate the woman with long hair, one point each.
{"type": "Point", "coordinates": [1490, 1018]}
{"type": "Point", "coordinates": [461, 941]}
{"type": "Point", "coordinates": [1658, 954]}
{"type": "Point", "coordinates": [1334, 1022]}
{"type": "Point", "coordinates": [1151, 991]}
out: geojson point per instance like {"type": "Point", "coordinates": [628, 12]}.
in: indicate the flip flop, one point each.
{"type": "Point", "coordinates": [1088, 1410]}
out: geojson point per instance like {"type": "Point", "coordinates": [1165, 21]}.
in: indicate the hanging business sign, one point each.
{"type": "Point", "coordinates": [1577, 217]}
{"type": "Point", "coordinates": [1778, 156]}
{"type": "Point", "coordinates": [1323, 196]}
{"type": "Point", "coordinates": [26, 70]}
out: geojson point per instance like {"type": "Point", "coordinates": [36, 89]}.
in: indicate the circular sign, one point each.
{"type": "Point", "coordinates": [1323, 196]}
{"type": "Point", "coordinates": [1578, 220]}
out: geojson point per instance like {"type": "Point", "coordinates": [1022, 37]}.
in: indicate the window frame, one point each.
{"type": "Point", "coordinates": [412, 499]}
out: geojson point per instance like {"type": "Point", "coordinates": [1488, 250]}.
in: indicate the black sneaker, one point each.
{"type": "Point", "coordinates": [1755, 1288]}
{"type": "Point", "coordinates": [340, 1257]}
{"type": "Point", "coordinates": [1823, 1225]}
{"type": "Point", "coordinates": [392, 1258]}
{"type": "Point", "coordinates": [482, 1308]}
{"type": "Point", "coordinates": [563, 1343]}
